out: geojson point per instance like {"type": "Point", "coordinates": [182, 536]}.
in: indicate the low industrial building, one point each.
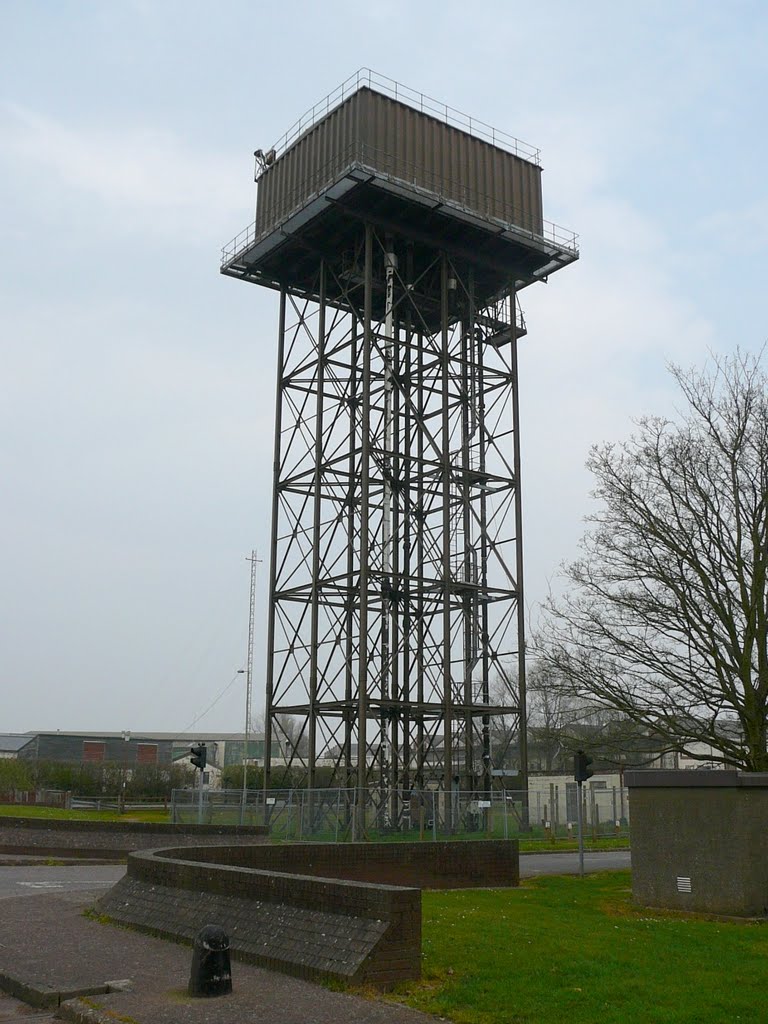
{"type": "Point", "coordinates": [129, 749]}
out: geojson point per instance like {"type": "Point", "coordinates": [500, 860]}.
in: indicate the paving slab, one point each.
{"type": "Point", "coordinates": [48, 944]}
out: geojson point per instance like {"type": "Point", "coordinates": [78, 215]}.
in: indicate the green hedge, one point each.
{"type": "Point", "coordinates": [140, 781]}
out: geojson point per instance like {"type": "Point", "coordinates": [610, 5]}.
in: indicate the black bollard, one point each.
{"type": "Point", "coordinates": [211, 974]}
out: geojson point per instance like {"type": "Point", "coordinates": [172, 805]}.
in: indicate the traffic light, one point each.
{"type": "Point", "coordinates": [199, 756]}
{"type": "Point", "coordinates": [581, 769]}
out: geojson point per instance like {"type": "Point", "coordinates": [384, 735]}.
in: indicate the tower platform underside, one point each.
{"type": "Point", "coordinates": [328, 227]}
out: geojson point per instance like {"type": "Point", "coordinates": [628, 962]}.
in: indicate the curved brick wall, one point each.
{"type": "Point", "coordinates": [327, 912]}
{"type": "Point", "coordinates": [428, 865]}
{"type": "Point", "coordinates": [297, 924]}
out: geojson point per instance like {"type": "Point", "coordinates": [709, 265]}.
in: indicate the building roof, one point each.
{"type": "Point", "coordinates": [180, 738]}
{"type": "Point", "coordinates": [13, 741]}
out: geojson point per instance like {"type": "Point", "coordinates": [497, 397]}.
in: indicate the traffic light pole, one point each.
{"type": "Point", "coordinates": [199, 758]}
{"type": "Point", "coordinates": [581, 772]}
{"type": "Point", "coordinates": [581, 831]}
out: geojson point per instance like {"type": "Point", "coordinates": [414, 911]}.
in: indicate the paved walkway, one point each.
{"type": "Point", "coordinates": [14, 1012]}
{"type": "Point", "coordinates": [48, 944]}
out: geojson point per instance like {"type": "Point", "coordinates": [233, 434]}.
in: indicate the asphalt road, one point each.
{"type": "Point", "coordinates": [532, 864]}
{"type": "Point", "coordinates": [31, 880]}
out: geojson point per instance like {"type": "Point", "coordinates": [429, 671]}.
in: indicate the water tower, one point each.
{"type": "Point", "coordinates": [398, 234]}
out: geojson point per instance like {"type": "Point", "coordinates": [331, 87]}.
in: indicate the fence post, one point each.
{"type": "Point", "coordinates": [583, 804]}
{"type": "Point", "coordinates": [506, 823]}
{"type": "Point", "coordinates": [552, 811]}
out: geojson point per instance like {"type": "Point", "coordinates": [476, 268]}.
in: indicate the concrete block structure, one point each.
{"type": "Point", "coordinates": [698, 840]}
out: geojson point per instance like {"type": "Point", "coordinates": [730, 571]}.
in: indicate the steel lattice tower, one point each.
{"type": "Point", "coordinates": [398, 234]}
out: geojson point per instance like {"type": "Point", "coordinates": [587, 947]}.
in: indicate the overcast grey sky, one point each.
{"type": "Point", "coordinates": [136, 384]}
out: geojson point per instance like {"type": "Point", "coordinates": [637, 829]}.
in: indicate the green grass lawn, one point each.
{"type": "Point", "coordinates": [564, 950]}
{"type": "Point", "coordinates": [526, 845]}
{"type": "Point", "coordinates": [568, 845]}
{"type": "Point", "coordinates": [21, 811]}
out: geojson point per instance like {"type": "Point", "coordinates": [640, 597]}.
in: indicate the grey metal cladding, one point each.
{"type": "Point", "coordinates": [67, 747]}
{"type": "Point", "coordinates": [312, 163]}
{"type": "Point", "coordinates": [396, 141]}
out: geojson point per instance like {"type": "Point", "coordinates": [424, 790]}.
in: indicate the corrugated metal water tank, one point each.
{"type": "Point", "coordinates": [402, 144]}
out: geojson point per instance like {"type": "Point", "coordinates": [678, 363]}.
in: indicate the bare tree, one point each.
{"type": "Point", "coordinates": [553, 718]}
{"type": "Point", "coordinates": [290, 737]}
{"type": "Point", "coordinates": [257, 722]}
{"type": "Point", "coordinates": [552, 713]}
{"type": "Point", "coordinates": [666, 619]}
{"type": "Point", "coordinates": [504, 729]}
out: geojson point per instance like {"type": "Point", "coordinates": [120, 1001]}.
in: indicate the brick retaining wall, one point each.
{"type": "Point", "coordinates": [428, 865]}
{"type": "Point", "coordinates": [327, 913]}
{"type": "Point", "coordinates": [50, 837]}
{"type": "Point", "coordinates": [298, 924]}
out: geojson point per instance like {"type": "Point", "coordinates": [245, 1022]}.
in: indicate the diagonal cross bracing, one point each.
{"type": "Point", "coordinates": [394, 606]}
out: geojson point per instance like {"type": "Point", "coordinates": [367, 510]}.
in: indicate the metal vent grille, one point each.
{"type": "Point", "coordinates": [683, 884]}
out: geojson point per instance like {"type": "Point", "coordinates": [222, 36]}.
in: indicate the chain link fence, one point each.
{"type": "Point", "coordinates": [331, 815]}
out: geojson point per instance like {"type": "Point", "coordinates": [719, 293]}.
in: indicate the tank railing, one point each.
{"type": "Point", "coordinates": [460, 195]}
{"type": "Point", "coordinates": [293, 200]}
{"type": "Point", "coordinates": [430, 183]}
{"type": "Point", "coordinates": [242, 241]}
{"type": "Point", "coordinates": [365, 77]}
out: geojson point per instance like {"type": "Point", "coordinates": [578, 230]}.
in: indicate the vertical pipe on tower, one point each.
{"type": "Point", "coordinates": [365, 454]}
{"type": "Point", "coordinates": [446, 552]}
{"type": "Point", "coordinates": [316, 545]}
{"type": "Point", "coordinates": [521, 679]}
{"type": "Point", "coordinates": [273, 548]}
